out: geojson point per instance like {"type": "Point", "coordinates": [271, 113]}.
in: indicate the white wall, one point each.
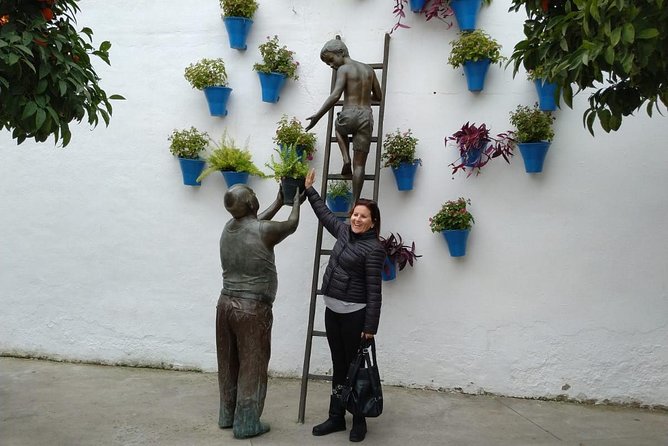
{"type": "Point", "coordinates": [106, 256]}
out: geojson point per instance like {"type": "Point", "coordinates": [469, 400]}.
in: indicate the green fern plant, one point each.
{"type": "Point", "coordinates": [239, 8]}
{"type": "Point", "coordinates": [227, 156]}
{"type": "Point", "coordinates": [288, 165]}
{"type": "Point", "coordinates": [474, 45]}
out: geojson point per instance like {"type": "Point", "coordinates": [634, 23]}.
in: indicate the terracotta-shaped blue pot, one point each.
{"type": "Point", "coordinates": [271, 84]}
{"type": "Point", "coordinates": [289, 186]}
{"type": "Point", "coordinates": [466, 13]}
{"type": "Point", "coordinates": [546, 94]}
{"type": "Point", "coordinates": [340, 204]}
{"type": "Point", "coordinates": [190, 170]}
{"type": "Point", "coordinates": [456, 240]}
{"type": "Point", "coordinates": [389, 271]}
{"type": "Point", "coordinates": [237, 31]}
{"type": "Point", "coordinates": [217, 98]}
{"type": "Point", "coordinates": [533, 154]}
{"type": "Point", "coordinates": [232, 178]}
{"type": "Point", "coordinates": [417, 5]}
{"type": "Point", "coordinates": [473, 156]}
{"type": "Point", "coordinates": [475, 72]}
{"type": "Point", "coordinates": [405, 175]}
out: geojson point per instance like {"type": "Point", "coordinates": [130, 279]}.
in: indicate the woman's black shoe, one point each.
{"type": "Point", "coordinates": [358, 431]}
{"type": "Point", "coordinates": [333, 424]}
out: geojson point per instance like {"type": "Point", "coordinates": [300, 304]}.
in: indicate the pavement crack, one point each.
{"type": "Point", "coordinates": [531, 421]}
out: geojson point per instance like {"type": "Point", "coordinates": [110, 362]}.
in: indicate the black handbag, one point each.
{"type": "Point", "coordinates": [362, 394]}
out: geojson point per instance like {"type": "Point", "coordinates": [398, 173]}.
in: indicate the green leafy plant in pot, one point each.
{"type": "Point", "coordinates": [237, 16]}
{"type": "Point", "coordinates": [475, 51]}
{"type": "Point", "coordinates": [290, 132]}
{"type": "Point", "coordinates": [186, 145]}
{"type": "Point", "coordinates": [454, 221]}
{"type": "Point", "coordinates": [290, 170]}
{"type": "Point", "coordinates": [399, 154]}
{"type": "Point", "coordinates": [398, 255]}
{"type": "Point", "coordinates": [339, 196]}
{"type": "Point", "coordinates": [533, 135]}
{"type": "Point", "coordinates": [477, 147]}
{"type": "Point", "coordinates": [210, 76]}
{"type": "Point", "coordinates": [235, 163]}
{"type": "Point", "coordinates": [278, 64]}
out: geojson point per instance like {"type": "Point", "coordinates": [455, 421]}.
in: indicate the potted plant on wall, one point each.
{"type": "Point", "coordinates": [187, 144]}
{"type": "Point", "coordinates": [235, 163]}
{"type": "Point", "coordinates": [454, 221]}
{"type": "Point", "coordinates": [339, 196]}
{"type": "Point", "coordinates": [546, 90]}
{"type": "Point", "coordinates": [398, 255]}
{"type": "Point", "coordinates": [477, 147]}
{"type": "Point", "coordinates": [533, 134]}
{"type": "Point", "coordinates": [475, 51]}
{"type": "Point", "coordinates": [290, 170]}
{"type": "Point", "coordinates": [210, 76]}
{"type": "Point", "coordinates": [290, 132]}
{"type": "Point", "coordinates": [237, 15]}
{"type": "Point", "coordinates": [399, 154]}
{"type": "Point", "coordinates": [277, 65]}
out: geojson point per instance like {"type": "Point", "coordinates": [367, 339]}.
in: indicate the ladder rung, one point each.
{"type": "Point", "coordinates": [374, 139]}
{"type": "Point", "coordinates": [376, 66]}
{"type": "Point", "coordinates": [319, 333]}
{"type": "Point", "coordinates": [321, 377]}
{"type": "Point", "coordinates": [325, 252]}
{"type": "Point", "coordinates": [338, 176]}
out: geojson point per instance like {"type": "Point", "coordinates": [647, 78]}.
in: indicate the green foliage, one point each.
{"type": "Point", "coordinates": [474, 45]}
{"type": "Point", "coordinates": [277, 59]}
{"type": "Point", "coordinates": [188, 143]}
{"type": "Point", "coordinates": [206, 73]}
{"type": "Point", "coordinates": [338, 188]}
{"type": "Point", "coordinates": [289, 164]}
{"type": "Point", "coordinates": [453, 215]}
{"type": "Point", "coordinates": [531, 124]}
{"type": "Point", "coordinates": [399, 147]}
{"type": "Point", "coordinates": [47, 78]}
{"type": "Point", "coordinates": [617, 47]}
{"type": "Point", "coordinates": [291, 132]}
{"type": "Point", "coordinates": [227, 156]}
{"type": "Point", "coordinates": [239, 8]}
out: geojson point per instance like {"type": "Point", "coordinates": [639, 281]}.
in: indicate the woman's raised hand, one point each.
{"type": "Point", "coordinates": [310, 178]}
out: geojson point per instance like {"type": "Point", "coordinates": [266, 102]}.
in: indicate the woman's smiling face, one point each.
{"type": "Point", "coordinates": [360, 219]}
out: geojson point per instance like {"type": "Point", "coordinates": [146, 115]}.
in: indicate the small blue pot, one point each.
{"type": "Point", "coordinates": [473, 155]}
{"type": "Point", "coordinates": [546, 94]}
{"type": "Point", "coordinates": [289, 186]}
{"type": "Point", "coordinates": [339, 204]}
{"type": "Point", "coordinates": [417, 5]}
{"type": "Point", "coordinates": [232, 178]}
{"type": "Point", "coordinates": [237, 30]}
{"type": "Point", "coordinates": [466, 13]}
{"type": "Point", "coordinates": [533, 154]}
{"type": "Point", "coordinates": [389, 271]}
{"type": "Point", "coordinates": [475, 72]}
{"type": "Point", "coordinates": [405, 175]}
{"type": "Point", "coordinates": [217, 98]}
{"type": "Point", "coordinates": [190, 169]}
{"type": "Point", "coordinates": [456, 240]}
{"type": "Point", "coordinates": [271, 84]}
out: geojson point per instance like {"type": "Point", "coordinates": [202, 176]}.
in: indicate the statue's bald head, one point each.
{"type": "Point", "coordinates": [240, 201]}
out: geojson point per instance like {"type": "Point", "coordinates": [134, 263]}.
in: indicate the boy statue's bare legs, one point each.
{"type": "Point", "coordinates": [344, 146]}
{"type": "Point", "coordinates": [359, 160]}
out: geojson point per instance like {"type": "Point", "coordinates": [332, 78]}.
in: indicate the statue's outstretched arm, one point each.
{"type": "Point", "coordinates": [274, 232]}
{"type": "Point", "coordinates": [337, 91]}
{"type": "Point", "coordinates": [273, 208]}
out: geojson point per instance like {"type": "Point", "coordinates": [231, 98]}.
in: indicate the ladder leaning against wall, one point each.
{"type": "Point", "coordinates": [376, 141]}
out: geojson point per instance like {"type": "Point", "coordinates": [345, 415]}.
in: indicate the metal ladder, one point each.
{"type": "Point", "coordinates": [376, 140]}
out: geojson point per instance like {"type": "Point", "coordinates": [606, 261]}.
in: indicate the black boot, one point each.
{"type": "Point", "coordinates": [358, 432]}
{"type": "Point", "coordinates": [336, 421]}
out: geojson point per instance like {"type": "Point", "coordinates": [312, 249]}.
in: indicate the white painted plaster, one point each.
{"type": "Point", "coordinates": [106, 256]}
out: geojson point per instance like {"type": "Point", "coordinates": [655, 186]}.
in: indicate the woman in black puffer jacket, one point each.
{"type": "Point", "coordinates": [351, 288]}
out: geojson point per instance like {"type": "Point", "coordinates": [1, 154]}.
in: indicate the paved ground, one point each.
{"type": "Point", "coordinates": [48, 403]}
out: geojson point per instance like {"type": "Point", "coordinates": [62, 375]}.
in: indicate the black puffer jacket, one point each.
{"type": "Point", "coordinates": [353, 271]}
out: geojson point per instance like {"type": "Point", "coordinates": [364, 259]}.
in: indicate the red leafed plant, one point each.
{"type": "Point", "coordinates": [397, 252]}
{"type": "Point", "coordinates": [477, 147]}
{"type": "Point", "coordinates": [439, 9]}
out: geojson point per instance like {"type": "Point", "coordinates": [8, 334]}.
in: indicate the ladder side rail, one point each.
{"type": "Point", "coordinates": [381, 116]}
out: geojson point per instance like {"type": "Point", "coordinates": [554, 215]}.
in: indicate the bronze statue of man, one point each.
{"type": "Point", "coordinates": [359, 85]}
{"type": "Point", "coordinates": [244, 311]}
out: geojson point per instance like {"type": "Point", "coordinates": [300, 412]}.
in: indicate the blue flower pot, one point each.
{"type": "Point", "coordinates": [289, 186]}
{"type": "Point", "coordinates": [271, 84]}
{"type": "Point", "coordinates": [405, 175]}
{"type": "Point", "coordinates": [466, 13]}
{"type": "Point", "coordinates": [475, 72]}
{"type": "Point", "coordinates": [190, 169]}
{"type": "Point", "coordinates": [473, 155]}
{"type": "Point", "coordinates": [546, 94]}
{"type": "Point", "coordinates": [389, 271]}
{"type": "Point", "coordinates": [299, 149]}
{"type": "Point", "coordinates": [237, 31]}
{"type": "Point", "coordinates": [417, 5]}
{"type": "Point", "coordinates": [339, 204]}
{"type": "Point", "coordinates": [533, 154]}
{"type": "Point", "coordinates": [232, 178]}
{"type": "Point", "coordinates": [456, 240]}
{"type": "Point", "coordinates": [217, 98]}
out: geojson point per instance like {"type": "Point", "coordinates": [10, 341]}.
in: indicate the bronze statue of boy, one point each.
{"type": "Point", "coordinates": [244, 312]}
{"type": "Point", "coordinates": [359, 85]}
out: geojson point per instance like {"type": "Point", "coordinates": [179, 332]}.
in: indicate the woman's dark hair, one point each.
{"type": "Point", "coordinates": [372, 206]}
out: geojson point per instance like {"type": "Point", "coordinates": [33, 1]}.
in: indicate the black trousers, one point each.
{"type": "Point", "coordinates": [344, 332]}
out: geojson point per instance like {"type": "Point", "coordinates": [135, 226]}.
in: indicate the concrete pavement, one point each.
{"type": "Point", "coordinates": [61, 404]}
